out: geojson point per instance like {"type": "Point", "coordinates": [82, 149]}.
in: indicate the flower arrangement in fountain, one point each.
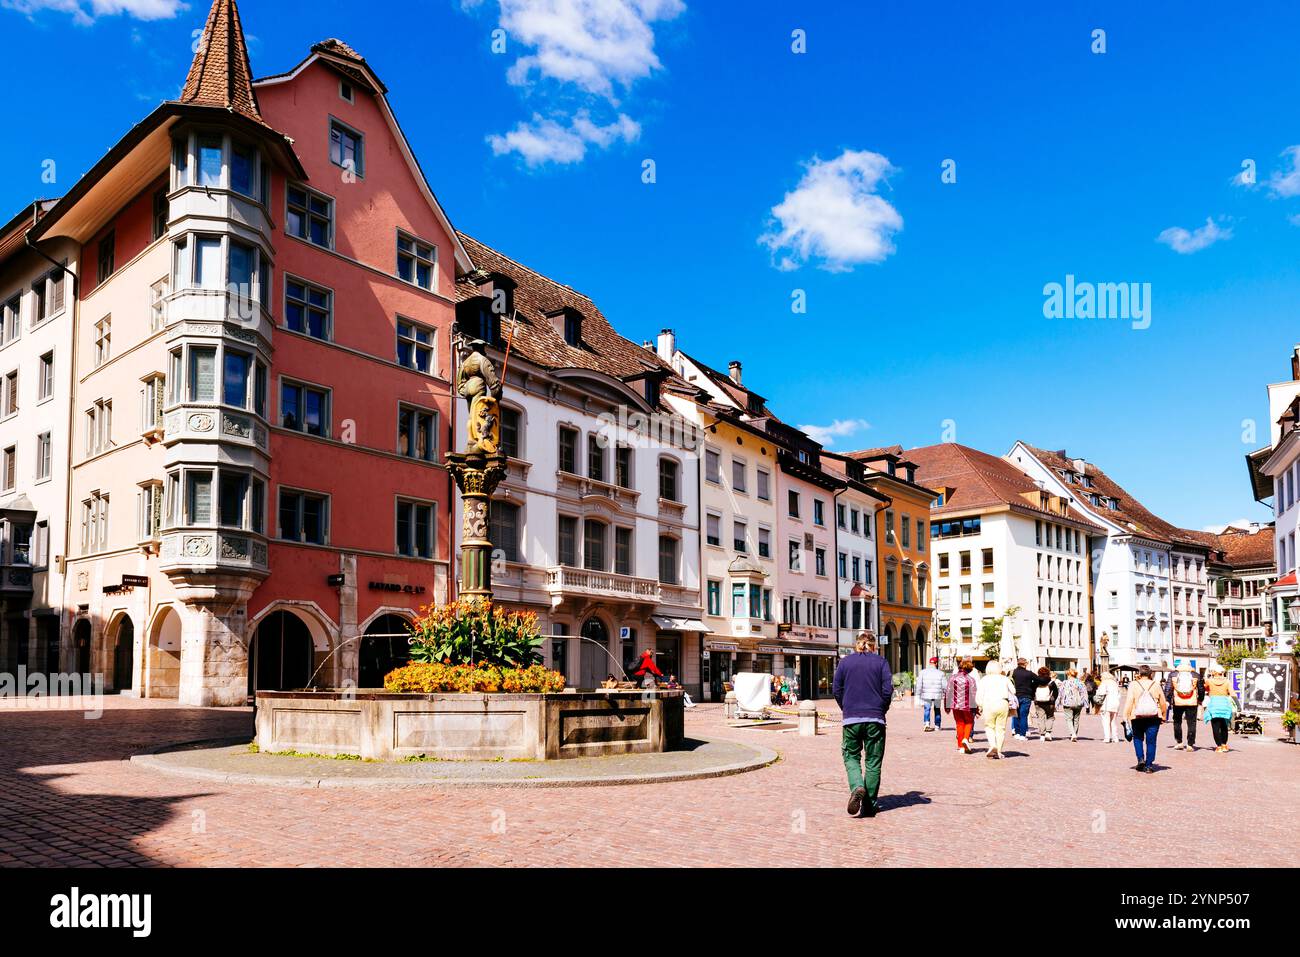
{"type": "Point", "coordinates": [470, 647]}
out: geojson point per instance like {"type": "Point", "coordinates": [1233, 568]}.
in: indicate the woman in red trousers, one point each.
{"type": "Point", "coordinates": [959, 701]}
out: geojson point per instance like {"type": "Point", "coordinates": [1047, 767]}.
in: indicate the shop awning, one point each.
{"type": "Point", "coordinates": [679, 624]}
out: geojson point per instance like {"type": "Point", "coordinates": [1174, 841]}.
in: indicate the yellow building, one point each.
{"type": "Point", "coordinates": [905, 609]}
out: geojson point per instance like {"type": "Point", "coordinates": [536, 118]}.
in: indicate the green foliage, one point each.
{"type": "Point", "coordinates": [465, 632]}
{"type": "Point", "coordinates": [1290, 719]}
{"type": "Point", "coordinates": [1231, 656]}
{"type": "Point", "coordinates": [991, 633]}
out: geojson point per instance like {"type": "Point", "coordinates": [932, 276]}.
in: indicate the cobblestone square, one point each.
{"type": "Point", "coordinates": [71, 797]}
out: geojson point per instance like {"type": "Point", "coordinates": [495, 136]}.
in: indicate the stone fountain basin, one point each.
{"type": "Point", "coordinates": [390, 726]}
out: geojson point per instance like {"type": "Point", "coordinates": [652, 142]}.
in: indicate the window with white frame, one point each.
{"type": "Point", "coordinates": [103, 340]}
{"type": "Point", "coordinates": [44, 456]}
{"type": "Point", "coordinates": [415, 521]}
{"type": "Point", "coordinates": [308, 308]}
{"type": "Point", "coordinates": [304, 408]}
{"type": "Point", "coordinates": [309, 215]}
{"type": "Point", "coordinates": [215, 160]}
{"type": "Point", "coordinates": [11, 320]}
{"type": "Point", "coordinates": [152, 400]}
{"type": "Point", "coordinates": [347, 148]}
{"type": "Point", "coordinates": [94, 522]}
{"type": "Point", "coordinates": [416, 261]}
{"type": "Point", "coordinates": [215, 263]}
{"type": "Point", "coordinates": [10, 405]}
{"type": "Point", "coordinates": [158, 303]}
{"type": "Point", "coordinates": [417, 433]}
{"type": "Point", "coordinates": [149, 510]}
{"type": "Point", "coordinates": [304, 517]}
{"type": "Point", "coordinates": [10, 477]}
{"type": "Point", "coordinates": [414, 346]}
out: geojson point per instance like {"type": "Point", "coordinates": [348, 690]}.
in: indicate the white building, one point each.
{"type": "Point", "coordinates": [597, 522]}
{"type": "Point", "coordinates": [1001, 545]}
{"type": "Point", "coordinates": [37, 304]}
{"type": "Point", "coordinates": [1133, 563]}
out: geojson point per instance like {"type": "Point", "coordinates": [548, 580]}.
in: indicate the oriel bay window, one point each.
{"type": "Point", "coordinates": [217, 262]}
{"type": "Point", "coordinates": [215, 160]}
{"type": "Point", "coordinates": [193, 372]}
{"type": "Point", "coordinates": [206, 497]}
{"type": "Point", "coordinates": [415, 529]}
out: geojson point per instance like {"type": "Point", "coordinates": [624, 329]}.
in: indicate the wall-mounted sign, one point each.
{"type": "Point", "coordinates": [128, 583]}
{"type": "Point", "coordinates": [393, 586]}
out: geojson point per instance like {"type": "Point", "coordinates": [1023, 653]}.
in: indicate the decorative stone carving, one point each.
{"type": "Point", "coordinates": [475, 527]}
{"type": "Point", "coordinates": [234, 549]}
{"type": "Point", "coordinates": [236, 426]}
{"type": "Point", "coordinates": [83, 581]}
{"type": "Point", "coordinates": [201, 422]}
{"type": "Point", "coordinates": [259, 553]}
{"type": "Point", "coordinates": [196, 547]}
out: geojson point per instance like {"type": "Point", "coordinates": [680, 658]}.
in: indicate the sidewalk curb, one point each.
{"type": "Point", "coordinates": [155, 761]}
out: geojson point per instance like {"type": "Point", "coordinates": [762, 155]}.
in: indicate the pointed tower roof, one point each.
{"type": "Point", "coordinates": [221, 75]}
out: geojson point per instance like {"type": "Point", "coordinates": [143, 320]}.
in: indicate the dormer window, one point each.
{"type": "Point", "coordinates": [573, 328]}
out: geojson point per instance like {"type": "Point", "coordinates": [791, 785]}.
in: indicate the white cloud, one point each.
{"type": "Point", "coordinates": [594, 44]}
{"type": "Point", "coordinates": [1241, 523]}
{"type": "Point", "coordinates": [1184, 243]}
{"type": "Point", "coordinates": [140, 9]}
{"type": "Point", "coordinates": [839, 429]}
{"type": "Point", "coordinates": [1287, 184]}
{"type": "Point", "coordinates": [591, 51]}
{"type": "Point", "coordinates": [540, 140]}
{"type": "Point", "coordinates": [834, 215]}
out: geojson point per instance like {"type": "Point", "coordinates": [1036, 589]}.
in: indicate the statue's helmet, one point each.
{"type": "Point", "coordinates": [476, 345]}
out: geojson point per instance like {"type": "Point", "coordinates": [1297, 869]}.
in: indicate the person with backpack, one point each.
{"type": "Point", "coordinates": [1045, 691]}
{"type": "Point", "coordinates": [1146, 703]}
{"type": "Point", "coordinates": [1220, 705]}
{"type": "Point", "coordinates": [1109, 699]}
{"type": "Point", "coordinates": [1185, 691]}
{"type": "Point", "coordinates": [959, 701]}
{"type": "Point", "coordinates": [1073, 697]}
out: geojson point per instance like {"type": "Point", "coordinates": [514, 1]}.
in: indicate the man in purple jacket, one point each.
{"type": "Point", "coordinates": [863, 688]}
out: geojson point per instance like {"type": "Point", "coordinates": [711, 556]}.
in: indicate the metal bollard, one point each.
{"type": "Point", "coordinates": [807, 719]}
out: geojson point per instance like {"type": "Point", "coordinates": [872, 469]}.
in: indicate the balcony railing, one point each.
{"type": "Point", "coordinates": [564, 582]}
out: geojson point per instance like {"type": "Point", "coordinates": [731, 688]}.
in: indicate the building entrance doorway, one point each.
{"type": "Point", "coordinates": [280, 654]}
{"type": "Point", "coordinates": [385, 646]}
{"type": "Point", "coordinates": [593, 657]}
{"type": "Point", "coordinates": [124, 656]}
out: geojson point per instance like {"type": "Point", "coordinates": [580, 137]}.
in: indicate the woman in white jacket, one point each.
{"type": "Point", "coordinates": [1109, 697]}
{"type": "Point", "coordinates": [994, 698]}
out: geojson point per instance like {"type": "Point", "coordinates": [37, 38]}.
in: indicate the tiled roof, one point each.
{"type": "Point", "coordinates": [864, 455]}
{"type": "Point", "coordinates": [538, 341]}
{"type": "Point", "coordinates": [741, 395]}
{"type": "Point", "coordinates": [220, 74]}
{"type": "Point", "coordinates": [979, 480]}
{"type": "Point", "coordinates": [1244, 549]}
{"type": "Point", "coordinates": [339, 48]}
{"type": "Point", "coordinates": [1131, 514]}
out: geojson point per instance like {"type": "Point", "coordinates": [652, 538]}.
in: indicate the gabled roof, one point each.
{"type": "Point", "coordinates": [536, 299]}
{"type": "Point", "coordinates": [13, 234]}
{"type": "Point", "coordinates": [1130, 515]}
{"type": "Point", "coordinates": [980, 480]}
{"type": "Point", "coordinates": [220, 74]}
{"type": "Point", "coordinates": [880, 452]}
{"type": "Point", "coordinates": [746, 400]}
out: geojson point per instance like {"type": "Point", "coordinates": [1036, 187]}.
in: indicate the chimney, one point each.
{"type": "Point", "coordinates": [667, 345]}
{"type": "Point", "coordinates": [733, 370]}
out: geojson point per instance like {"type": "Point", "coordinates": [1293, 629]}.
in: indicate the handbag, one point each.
{"type": "Point", "coordinates": [1128, 730]}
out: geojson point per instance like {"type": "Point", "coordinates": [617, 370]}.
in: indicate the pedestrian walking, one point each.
{"type": "Point", "coordinates": [863, 688]}
{"type": "Point", "coordinates": [1025, 682]}
{"type": "Point", "coordinates": [959, 701]}
{"type": "Point", "coordinates": [1045, 691]}
{"type": "Point", "coordinates": [1184, 691]}
{"type": "Point", "coordinates": [1146, 703]}
{"type": "Point", "coordinates": [929, 688]}
{"type": "Point", "coordinates": [1072, 697]}
{"type": "Point", "coordinates": [1109, 699]}
{"type": "Point", "coordinates": [646, 669]}
{"type": "Point", "coordinates": [995, 699]}
{"type": "Point", "coordinates": [1220, 705]}
{"type": "Point", "coordinates": [1090, 682]}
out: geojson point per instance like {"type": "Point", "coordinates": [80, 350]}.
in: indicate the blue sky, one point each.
{"type": "Point", "coordinates": [924, 298]}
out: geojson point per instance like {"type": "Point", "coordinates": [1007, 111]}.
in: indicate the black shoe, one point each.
{"type": "Point", "coordinates": [1148, 769]}
{"type": "Point", "coordinates": [856, 799]}
{"type": "Point", "coordinates": [1139, 767]}
{"type": "Point", "coordinates": [869, 809]}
